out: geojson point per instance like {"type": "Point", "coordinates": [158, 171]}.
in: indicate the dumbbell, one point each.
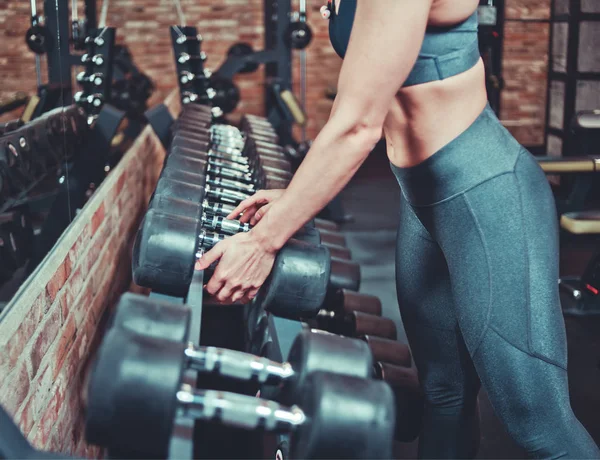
{"type": "Point", "coordinates": [198, 142]}
{"type": "Point", "coordinates": [310, 352]}
{"type": "Point", "coordinates": [355, 324]}
{"type": "Point", "coordinates": [188, 200]}
{"type": "Point", "coordinates": [251, 127]}
{"type": "Point", "coordinates": [345, 274]}
{"type": "Point", "coordinates": [218, 167]}
{"type": "Point", "coordinates": [218, 188]}
{"type": "Point", "coordinates": [200, 128]}
{"type": "Point", "coordinates": [404, 382]}
{"type": "Point", "coordinates": [210, 132]}
{"type": "Point", "coordinates": [255, 120]}
{"type": "Point", "coordinates": [196, 145]}
{"type": "Point", "coordinates": [388, 351]}
{"type": "Point", "coordinates": [218, 164]}
{"type": "Point", "coordinates": [181, 185]}
{"type": "Point", "coordinates": [324, 224]}
{"type": "Point", "coordinates": [223, 210]}
{"type": "Point", "coordinates": [136, 392]}
{"type": "Point", "coordinates": [167, 247]}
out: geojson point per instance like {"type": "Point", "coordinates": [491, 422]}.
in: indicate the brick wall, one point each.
{"type": "Point", "coordinates": [143, 26]}
{"type": "Point", "coordinates": [525, 69]}
{"type": "Point", "coordinates": [52, 326]}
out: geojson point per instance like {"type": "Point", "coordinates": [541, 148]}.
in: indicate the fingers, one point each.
{"type": "Point", "coordinates": [211, 256]}
{"type": "Point", "coordinates": [259, 214]}
{"type": "Point", "coordinates": [243, 206]}
{"type": "Point", "coordinates": [248, 214]}
{"type": "Point", "coordinates": [249, 295]}
{"type": "Point", "coordinates": [237, 295]}
{"type": "Point", "coordinates": [225, 293]}
{"type": "Point", "coordinates": [214, 285]}
{"type": "Point", "coordinates": [247, 203]}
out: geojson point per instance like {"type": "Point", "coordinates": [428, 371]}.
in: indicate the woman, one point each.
{"type": "Point", "coordinates": [477, 252]}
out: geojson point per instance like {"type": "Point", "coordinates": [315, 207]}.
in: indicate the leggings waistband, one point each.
{"type": "Point", "coordinates": [484, 150]}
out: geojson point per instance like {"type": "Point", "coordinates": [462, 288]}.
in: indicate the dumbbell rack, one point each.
{"type": "Point", "coordinates": [187, 41]}
{"type": "Point", "coordinates": [182, 439]}
{"type": "Point", "coordinates": [282, 333]}
{"type": "Point", "coordinates": [263, 334]}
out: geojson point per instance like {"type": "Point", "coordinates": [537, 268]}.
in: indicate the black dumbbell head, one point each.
{"type": "Point", "coordinates": [348, 417]}
{"type": "Point", "coordinates": [187, 163]}
{"type": "Point", "coordinates": [137, 314]}
{"type": "Point", "coordinates": [132, 393]}
{"type": "Point", "coordinates": [408, 398]}
{"type": "Point", "coordinates": [320, 351]}
{"type": "Point", "coordinates": [308, 234]}
{"type": "Point", "coordinates": [344, 274]}
{"type": "Point", "coordinates": [297, 285]}
{"type": "Point", "coordinates": [173, 188]}
{"type": "Point", "coordinates": [176, 206]}
{"type": "Point", "coordinates": [164, 252]}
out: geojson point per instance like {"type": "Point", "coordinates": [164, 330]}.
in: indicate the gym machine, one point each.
{"type": "Point", "coordinates": [284, 32]}
{"type": "Point", "coordinates": [112, 89]}
{"type": "Point", "coordinates": [200, 85]}
{"type": "Point", "coordinates": [579, 295]}
{"type": "Point", "coordinates": [33, 158]}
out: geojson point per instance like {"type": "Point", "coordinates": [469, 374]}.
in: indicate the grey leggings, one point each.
{"type": "Point", "coordinates": [477, 273]}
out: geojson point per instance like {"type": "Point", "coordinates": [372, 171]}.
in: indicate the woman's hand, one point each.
{"type": "Point", "coordinates": [253, 209]}
{"type": "Point", "coordinates": [244, 264]}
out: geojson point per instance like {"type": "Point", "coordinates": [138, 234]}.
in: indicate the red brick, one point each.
{"type": "Point", "coordinates": [91, 257]}
{"type": "Point", "coordinates": [15, 388]}
{"type": "Point", "coordinates": [74, 283]}
{"type": "Point", "coordinates": [41, 390]}
{"type": "Point", "coordinates": [38, 438]}
{"type": "Point", "coordinates": [82, 303]}
{"type": "Point", "coordinates": [49, 417]}
{"type": "Point", "coordinates": [80, 245]}
{"type": "Point", "coordinates": [26, 418]}
{"type": "Point", "coordinates": [121, 182]}
{"type": "Point", "coordinates": [64, 344]}
{"type": "Point", "coordinates": [58, 279]}
{"type": "Point", "coordinates": [47, 335]}
{"type": "Point", "coordinates": [97, 218]}
{"type": "Point", "coordinates": [14, 347]}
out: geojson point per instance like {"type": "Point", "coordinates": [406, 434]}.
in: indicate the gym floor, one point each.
{"type": "Point", "coordinates": [371, 199]}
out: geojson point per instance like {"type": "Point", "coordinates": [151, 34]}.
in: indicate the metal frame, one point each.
{"type": "Point", "coordinates": [493, 35]}
{"type": "Point", "coordinates": [277, 16]}
{"type": "Point", "coordinates": [571, 76]}
{"type": "Point", "coordinates": [59, 57]}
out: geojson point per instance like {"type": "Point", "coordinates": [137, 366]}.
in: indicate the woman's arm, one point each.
{"type": "Point", "coordinates": [384, 44]}
{"type": "Point", "coordinates": [385, 41]}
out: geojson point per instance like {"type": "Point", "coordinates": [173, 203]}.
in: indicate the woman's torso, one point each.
{"type": "Point", "coordinates": [426, 116]}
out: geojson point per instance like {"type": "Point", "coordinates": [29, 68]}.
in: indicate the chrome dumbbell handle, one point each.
{"type": "Point", "coordinates": [222, 225]}
{"type": "Point", "coordinates": [237, 365]}
{"type": "Point", "coordinates": [237, 410]}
